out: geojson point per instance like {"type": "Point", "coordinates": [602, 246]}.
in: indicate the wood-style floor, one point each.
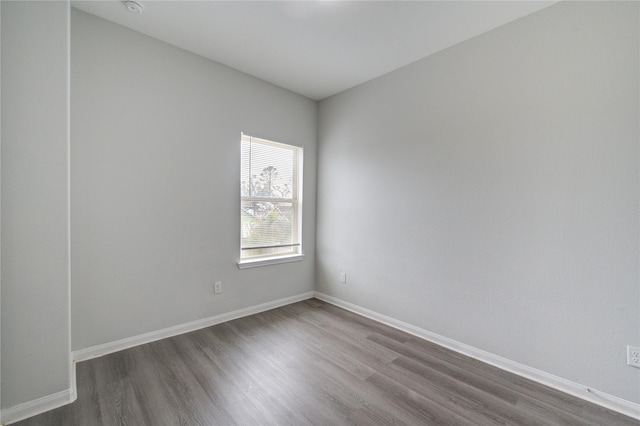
{"type": "Point", "coordinates": [309, 363]}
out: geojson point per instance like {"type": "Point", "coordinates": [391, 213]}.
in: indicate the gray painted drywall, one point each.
{"type": "Point", "coordinates": [155, 159]}
{"type": "Point", "coordinates": [35, 232]}
{"type": "Point", "coordinates": [490, 193]}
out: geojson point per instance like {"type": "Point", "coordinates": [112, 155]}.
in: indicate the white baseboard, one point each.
{"type": "Point", "coordinates": [129, 342]}
{"type": "Point", "coordinates": [37, 406]}
{"type": "Point", "coordinates": [603, 399]}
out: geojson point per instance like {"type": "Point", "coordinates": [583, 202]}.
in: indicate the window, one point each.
{"type": "Point", "coordinates": [271, 194]}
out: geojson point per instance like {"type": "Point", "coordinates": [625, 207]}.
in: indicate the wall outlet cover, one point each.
{"type": "Point", "coordinates": [633, 356]}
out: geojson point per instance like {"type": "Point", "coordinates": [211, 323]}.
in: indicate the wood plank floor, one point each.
{"type": "Point", "coordinates": [309, 363]}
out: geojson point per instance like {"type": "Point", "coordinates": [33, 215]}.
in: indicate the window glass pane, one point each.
{"type": "Point", "coordinates": [270, 252]}
{"type": "Point", "coordinates": [266, 224]}
{"type": "Point", "coordinates": [267, 171]}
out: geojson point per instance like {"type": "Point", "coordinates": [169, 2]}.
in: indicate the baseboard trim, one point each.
{"type": "Point", "coordinates": [37, 406]}
{"type": "Point", "coordinates": [129, 342]}
{"type": "Point", "coordinates": [603, 399]}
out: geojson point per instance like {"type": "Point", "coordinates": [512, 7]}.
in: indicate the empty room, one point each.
{"type": "Point", "coordinates": [320, 212]}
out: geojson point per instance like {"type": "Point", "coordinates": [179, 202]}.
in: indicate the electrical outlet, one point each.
{"type": "Point", "coordinates": [633, 356]}
{"type": "Point", "coordinates": [343, 277]}
{"type": "Point", "coordinates": [217, 287]}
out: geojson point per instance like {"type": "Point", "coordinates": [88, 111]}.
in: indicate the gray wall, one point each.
{"type": "Point", "coordinates": [490, 193]}
{"type": "Point", "coordinates": [35, 214]}
{"type": "Point", "coordinates": [155, 161]}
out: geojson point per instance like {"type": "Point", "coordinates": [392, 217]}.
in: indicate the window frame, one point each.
{"type": "Point", "coordinates": [295, 254]}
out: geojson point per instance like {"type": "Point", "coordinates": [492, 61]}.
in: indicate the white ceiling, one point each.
{"type": "Point", "coordinates": [314, 48]}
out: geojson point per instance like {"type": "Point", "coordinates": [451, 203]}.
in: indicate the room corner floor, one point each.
{"type": "Point", "coordinates": [309, 363]}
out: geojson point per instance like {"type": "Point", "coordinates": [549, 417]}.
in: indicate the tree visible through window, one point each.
{"type": "Point", "coordinates": [270, 193]}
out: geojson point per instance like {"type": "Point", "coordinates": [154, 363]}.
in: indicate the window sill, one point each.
{"type": "Point", "coordinates": [244, 264]}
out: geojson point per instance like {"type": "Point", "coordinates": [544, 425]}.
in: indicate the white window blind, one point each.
{"type": "Point", "coordinates": [270, 198]}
